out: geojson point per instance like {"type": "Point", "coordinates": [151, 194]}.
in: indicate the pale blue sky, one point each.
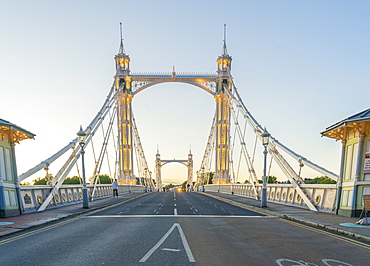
{"type": "Point", "coordinates": [300, 66]}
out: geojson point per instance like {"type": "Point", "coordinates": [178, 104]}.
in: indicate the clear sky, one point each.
{"type": "Point", "coordinates": [300, 66]}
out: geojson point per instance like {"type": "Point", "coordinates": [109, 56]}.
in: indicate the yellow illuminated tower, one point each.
{"type": "Point", "coordinates": [189, 164]}
{"type": "Point", "coordinates": [124, 116]}
{"type": "Point", "coordinates": [223, 101]}
{"type": "Point", "coordinates": [158, 165]}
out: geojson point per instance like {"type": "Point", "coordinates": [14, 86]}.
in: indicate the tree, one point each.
{"type": "Point", "coordinates": [75, 180]}
{"type": "Point", "coordinates": [183, 186]}
{"type": "Point", "coordinates": [209, 176]}
{"type": "Point", "coordinates": [43, 180]}
{"type": "Point", "coordinates": [168, 186]}
{"type": "Point", "coordinates": [105, 179]}
{"type": "Point", "coordinates": [270, 180]}
{"type": "Point", "coordinates": [40, 181]}
{"type": "Point", "coordinates": [321, 180]}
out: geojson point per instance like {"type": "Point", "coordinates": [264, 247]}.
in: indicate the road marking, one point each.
{"type": "Point", "coordinates": [180, 216]}
{"type": "Point", "coordinates": [160, 242]}
{"type": "Point", "coordinates": [175, 212]}
{"type": "Point", "coordinates": [62, 222]}
{"type": "Point", "coordinates": [171, 249]}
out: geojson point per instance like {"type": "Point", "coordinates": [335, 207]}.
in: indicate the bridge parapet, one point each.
{"type": "Point", "coordinates": [321, 195]}
{"type": "Point", "coordinates": [34, 196]}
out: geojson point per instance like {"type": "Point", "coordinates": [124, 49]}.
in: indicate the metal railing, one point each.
{"type": "Point", "coordinates": [322, 196]}
{"type": "Point", "coordinates": [34, 196]}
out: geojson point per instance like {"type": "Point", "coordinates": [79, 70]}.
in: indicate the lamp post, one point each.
{"type": "Point", "coordinates": [81, 140]}
{"type": "Point", "coordinates": [265, 141]}
{"type": "Point", "coordinates": [202, 179]}
{"type": "Point", "coordinates": [145, 179]}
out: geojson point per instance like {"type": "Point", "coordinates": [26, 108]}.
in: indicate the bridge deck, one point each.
{"type": "Point", "coordinates": [324, 220]}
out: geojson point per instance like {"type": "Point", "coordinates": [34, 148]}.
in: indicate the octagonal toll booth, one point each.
{"type": "Point", "coordinates": [10, 200]}
{"type": "Point", "coordinates": [354, 180]}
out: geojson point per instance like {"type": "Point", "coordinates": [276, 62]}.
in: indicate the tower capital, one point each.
{"type": "Point", "coordinates": [122, 59]}
{"type": "Point", "coordinates": [224, 60]}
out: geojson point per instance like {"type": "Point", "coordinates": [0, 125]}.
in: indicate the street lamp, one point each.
{"type": "Point", "coordinates": [150, 181]}
{"type": "Point", "coordinates": [145, 179]}
{"type": "Point", "coordinates": [81, 140]}
{"type": "Point", "coordinates": [203, 179]}
{"type": "Point", "coordinates": [265, 141]}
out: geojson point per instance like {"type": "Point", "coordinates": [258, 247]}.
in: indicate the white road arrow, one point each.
{"type": "Point", "coordinates": [160, 242]}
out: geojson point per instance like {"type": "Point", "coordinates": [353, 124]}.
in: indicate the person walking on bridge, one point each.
{"type": "Point", "coordinates": [115, 188]}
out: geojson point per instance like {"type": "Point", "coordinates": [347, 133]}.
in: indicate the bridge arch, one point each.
{"type": "Point", "coordinates": [208, 89]}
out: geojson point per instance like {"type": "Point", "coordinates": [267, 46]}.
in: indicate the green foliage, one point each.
{"type": "Point", "coordinates": [168, 186]}
{"type": "Point", "coordinates": [43, 180]}
{"type": "Point", "coordinates": [209, 177]}
{"type": "Point", "coordinates": [40, 181]}
{"type": "Point", "coordinates": [321, 180]}
{"type": "Point", "coordinates": [270, 180]}
{"type": "Point", "coordinates": [183, 185]}
{"type": "Point", "coordinates": [75, 180]}
{"type": "Point", "coordinates": [105, 179]}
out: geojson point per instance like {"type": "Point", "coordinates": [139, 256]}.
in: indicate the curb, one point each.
{"type": "Point", "coordinates": [320, 225]}
{"type": "Point", "coordinates": [61, 217]}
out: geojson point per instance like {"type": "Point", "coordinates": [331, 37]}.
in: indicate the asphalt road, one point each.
{"type": "Point", "coordinates": [179, 228]}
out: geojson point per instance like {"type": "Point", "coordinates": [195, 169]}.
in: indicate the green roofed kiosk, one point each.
{"type": "Point", "coordinates": [10, 200]}
{"type": "Point", "coordinates": [354, 177]}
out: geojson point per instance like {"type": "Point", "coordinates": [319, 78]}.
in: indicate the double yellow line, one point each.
{"type": "Point", "coordinates": [295, 223]}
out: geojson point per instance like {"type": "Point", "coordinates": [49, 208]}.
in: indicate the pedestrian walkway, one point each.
{"type": "Point", "coordinates": [19, 223]}
{"type": "Point", "coordinates": [335, 223]}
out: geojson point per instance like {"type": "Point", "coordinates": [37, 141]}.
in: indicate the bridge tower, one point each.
{"type": "Point", "coordinates": [223, 103]}
{"type": "Point", "coordinates": [189, 164]}
{"type": "Point", "coordinates": [124, 116]}
{"type": "Point", "coordinates": [158, 165]}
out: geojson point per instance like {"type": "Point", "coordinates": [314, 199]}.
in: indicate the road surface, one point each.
{"type": "Point", "coordinates": [180, 228]}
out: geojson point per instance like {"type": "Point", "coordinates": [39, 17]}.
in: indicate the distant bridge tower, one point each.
{"type": "Point", "coordinates": [223, 101]}
{"type": "Point", "coordinates": [124, 116]}
{"type": "Point", "coordinates": [159, 163]}
{"type": "Point", "coordinates": [158, 166]}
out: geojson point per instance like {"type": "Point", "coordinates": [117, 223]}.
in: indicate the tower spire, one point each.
{"type": "Point", "coordinates": [224, 48]}
{"type": "Point", "coordinates": [121, 48]}
{"type": "Point", "coordinates": [224, 60]}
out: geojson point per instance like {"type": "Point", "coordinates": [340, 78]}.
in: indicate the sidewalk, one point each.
{"type": "Point", "coordinates": [335, 223]}
{"type": "Point", "coordinates": [331, 222]}
{"type": "Point", "coordinates": [19, 223]}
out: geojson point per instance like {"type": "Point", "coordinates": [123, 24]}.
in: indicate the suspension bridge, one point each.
{"type": "Point", "coordinates": [217, 227]}
{"type": "Point", "coordinates": [230, 151]}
